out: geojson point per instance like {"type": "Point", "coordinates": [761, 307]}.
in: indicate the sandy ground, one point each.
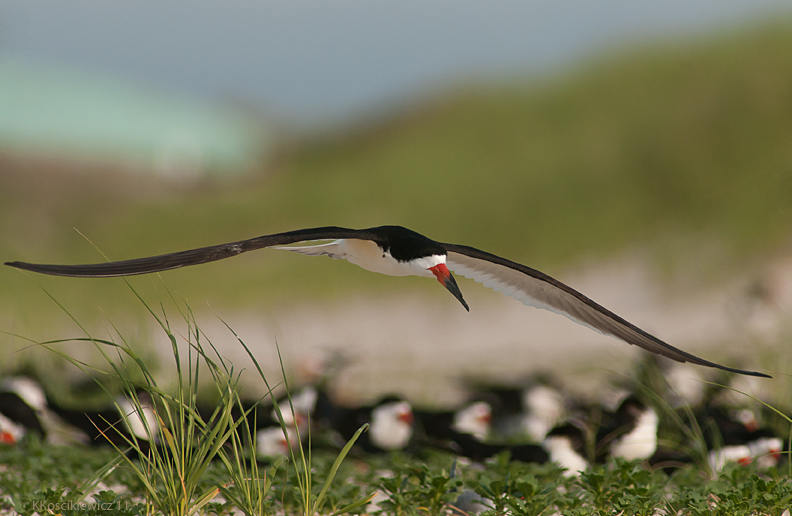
{"type": "Point", "coordinates": [422, 346]}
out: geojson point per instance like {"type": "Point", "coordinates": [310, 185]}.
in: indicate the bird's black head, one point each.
{"type": "Point", "coordinates": [406, 245]}
{"type": "Point", "coordinates": [575, 435]}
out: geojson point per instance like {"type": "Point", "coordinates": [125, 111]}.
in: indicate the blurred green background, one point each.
{"type": "Point", "coordinates": [680, 150]}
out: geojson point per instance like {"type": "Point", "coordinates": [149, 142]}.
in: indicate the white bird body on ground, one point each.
{"type": "Point", "coordinates": [544, 407]}
{"type": "Point", "coordinates": [27, 389]}
{"type": "Point", "coordinates": [641, 442]}
{"type": "Point", "coordinates": [11, 432]}
{"type": "Point", "coordinates": [272, 441]}
{"type": "Point", "coordinates": [766, 451]}
{"type": "Point", "coordinates": [139, 417]}
{"type": "Point", "coordinates": [565, 447]}
{"type": "Point", "coordinates": [718, 459]}
{"type": "Point", "coordinates": [398, 251]}
{"type": "Point", "coordinates": [391, 425]}
{"type": "Point", "coordinates": [474, 419]}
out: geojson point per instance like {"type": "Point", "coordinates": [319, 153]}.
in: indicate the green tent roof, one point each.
{"type": "Point", "coordinates": [51, 110]}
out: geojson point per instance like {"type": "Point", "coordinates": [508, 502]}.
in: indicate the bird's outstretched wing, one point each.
{"type": "Point", "coordinates": [537, 289]}
{"type": "Point", "coordinates": [164, 262]}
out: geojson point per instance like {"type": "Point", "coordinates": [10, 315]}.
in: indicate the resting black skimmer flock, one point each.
{"type": "Point", "coordinates": [398, 251]}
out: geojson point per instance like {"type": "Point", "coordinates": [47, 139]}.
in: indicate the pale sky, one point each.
{"type": "Point", "coordinates": [311, 61]}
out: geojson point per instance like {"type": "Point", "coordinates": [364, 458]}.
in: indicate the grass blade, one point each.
{"type": "Point", "coordinates": [341, 456]}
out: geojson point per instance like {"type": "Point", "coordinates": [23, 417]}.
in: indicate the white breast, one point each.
{"type": "Point", "coordinates": [641, 443]}
{"type": "Point", "coordinates": [766, 451]}
{"type": "Point", "coordinates": [388, 429]}
{"type": "Point", "coordinates": [142, 423]}
{"type": "Point", "coordinates": [545, 407]}
{"type": "Point", "coordinates": [562, 453]}
{"type": "Point", "coordinates": [271, 442]}
{"type": "Point", "coordinates": [474, 420]}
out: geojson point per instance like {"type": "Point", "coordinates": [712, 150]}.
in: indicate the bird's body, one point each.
{"type": "Point", "coordinates": [398, 251]}
{"type": "Point", "coordinates": [469, 446]}
{"type": "Point", "coordinates": [17, 418]}
{"type": "Point", "coordinates": [119, 425]}
{"type": "Point", "coordinates": [566, 446]}
{"type": "Point", "coordinates": [473, 418]}
{"type": "Point", "coordinates": [641, 441]}
{"type": "Point", "coordinates": [370, 256]}
{"type": "Point", "coordinates": [632, 434]}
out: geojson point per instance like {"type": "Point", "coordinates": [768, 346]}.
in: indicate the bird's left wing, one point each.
{"type": "Point", "coordinates": [537, 289]}
{"type": "Point", "coordinates": [169, 261]}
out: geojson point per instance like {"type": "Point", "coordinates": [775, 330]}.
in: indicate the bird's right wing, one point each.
{"type": "Point", "coordinates": [331, 249]}
{"type": "Point", "coordinates": [213, 253]}
{"type": "Point", "coordinates": [537, 289]}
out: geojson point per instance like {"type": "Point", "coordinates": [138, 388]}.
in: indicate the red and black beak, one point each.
{"type": "Point", "coordinates": [447, 280]}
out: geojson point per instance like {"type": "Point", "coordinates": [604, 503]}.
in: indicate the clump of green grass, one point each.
{"type": "Point", "coordinates": [171, 465]}
{"type": "Point", "coordinates": [310, 502]}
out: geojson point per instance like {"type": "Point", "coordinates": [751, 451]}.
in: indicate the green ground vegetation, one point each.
{"type": "Point", "coordinates": [38, 475]}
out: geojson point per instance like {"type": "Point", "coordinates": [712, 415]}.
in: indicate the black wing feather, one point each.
{"type": "Point", "coordinates": [164, 262]}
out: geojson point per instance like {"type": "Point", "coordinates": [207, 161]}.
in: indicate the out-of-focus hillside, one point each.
{"type": "Point", "coordinates": [684, 151]}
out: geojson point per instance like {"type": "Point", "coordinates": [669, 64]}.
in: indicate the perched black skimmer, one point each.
{"type": "Point", "coordinates": [530, 409]}
{"type": "Point", "coordinates": [633, 434]}
{"type": "Point", "coordinates": [391, 420]}
{"type": "Point", "coordinates": [566, 445]}
{"type": "Point", "coordinates": [272, 442]}
{"type": "Point", "coordinates": [22, 403]}
{"type": "Point", "coordinates": [544, 408]}
{"type": "Point", "coordinates": [117, 425]}
{"type": "Point", "coordinates": [728, 432]}
{"type": "Point", "coordinates": [468, 446]}
{"type": "Point", "coordinates": [391, 423]}
{"type": "Point", "coordinates": [25, 408]}
{"type": "Point", "coordinates": [766, 448]}
{"type": "Point", "coordinates": [721, 457]}
{"type": "Point", "coordinates": [295, 414]}
{"type": "Point", "coordinates": [398, 251]}
{"type": "Point", "coordinates": [473, 418]}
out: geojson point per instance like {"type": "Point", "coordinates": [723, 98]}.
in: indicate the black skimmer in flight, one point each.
{"type": "Point", "coordinates": [398, 251]}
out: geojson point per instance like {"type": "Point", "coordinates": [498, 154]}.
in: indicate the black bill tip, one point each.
{"type": "Point", "coordinates": [451, 284]}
